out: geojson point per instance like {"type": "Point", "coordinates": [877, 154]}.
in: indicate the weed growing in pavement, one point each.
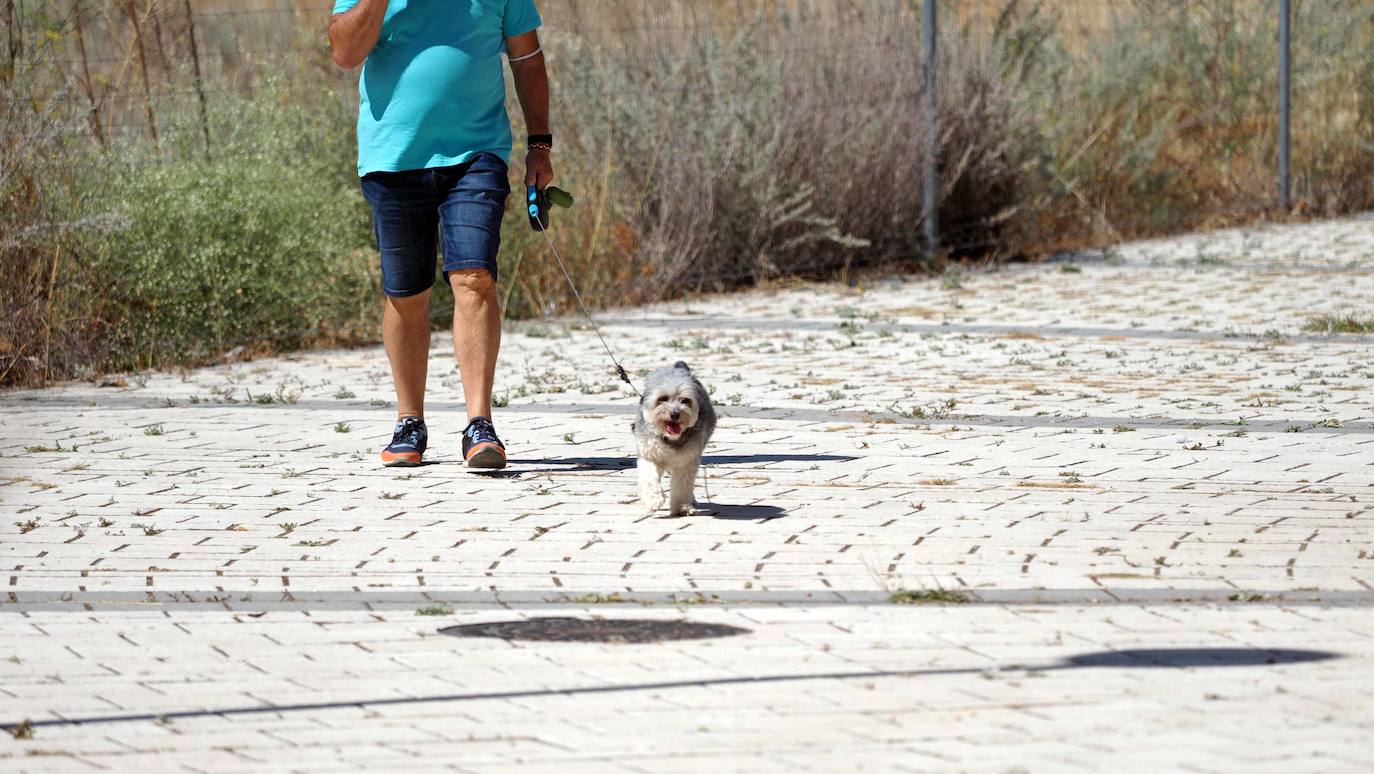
{"type": "Point", "coordinates": [153, 430]}
{"type": "Point", "coordinates": [928, 596]}
{"type": "Point", "coordinates": [953, 278]}
{"type": "Point", "coordinates": [343, 393]}
{"type": "Point", "coordinates": [435, 610]}
{"type": "Point", "coordinates": [937, 410]}
{"type": "Point", "coordinates": [599, 599]}
{"type": "Point", "coordinates": [26, 526]}
{"type": "Point", "coordinates": [288, 397]}
{"type": "Point", "coordinates": [1338, 323]}
{"type": "Point", "coordinates": [342, 427]}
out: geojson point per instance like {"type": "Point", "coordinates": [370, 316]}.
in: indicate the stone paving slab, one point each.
{"type": "Point", "coordinates": [1138, 447]}
{"type": "Point", "coordinates": [815, 689]}
{"type": "Point", "coordinates": [1029, 452]}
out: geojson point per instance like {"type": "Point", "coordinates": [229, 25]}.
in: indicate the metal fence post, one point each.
{"type": "Point", "coordinates": [930, 183]}
{"type": "Point", "coordinates": [1285, 68]}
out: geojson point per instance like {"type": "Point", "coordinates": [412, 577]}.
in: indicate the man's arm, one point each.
{"type": "Point", "coordinates": [532, 87]}
{"type": "Point", "coordinates": [353, 33]}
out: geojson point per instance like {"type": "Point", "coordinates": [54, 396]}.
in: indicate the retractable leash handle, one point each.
{"type": "Point", "coordinates": [537, 204]}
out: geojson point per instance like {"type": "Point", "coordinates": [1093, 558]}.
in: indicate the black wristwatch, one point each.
{"type": "Point", "coordinates": [543, 141]}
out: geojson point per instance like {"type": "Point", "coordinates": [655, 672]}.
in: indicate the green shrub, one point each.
{"type": "Point", "coordinates": [767, 142]}
{"type": "Point", "coordinates": [231, 251]}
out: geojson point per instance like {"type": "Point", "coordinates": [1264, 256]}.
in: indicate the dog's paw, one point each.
{"type": "Point", "coordinates": [651, 500]}
{"type": "Point", "coordinates": [689, 509]}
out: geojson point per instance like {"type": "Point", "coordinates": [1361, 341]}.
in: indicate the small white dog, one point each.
{"type": "Point", "coordinates": [675, 422]}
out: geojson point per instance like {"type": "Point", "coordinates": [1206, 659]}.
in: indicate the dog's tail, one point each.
{"type": "Point", "coordinates": [682, 366]}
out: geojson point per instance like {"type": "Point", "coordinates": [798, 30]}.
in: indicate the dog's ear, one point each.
{"type": "Point", "coordinates": [682, 366]}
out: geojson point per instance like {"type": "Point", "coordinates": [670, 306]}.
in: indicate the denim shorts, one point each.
{"type": "Point", "coordinates": [455, 209]}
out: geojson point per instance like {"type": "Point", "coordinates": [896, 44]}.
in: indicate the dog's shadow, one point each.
{"type": "Point", "coordinates": [729, 512]}
{"type": "Point", "coordinates": [602, 464]}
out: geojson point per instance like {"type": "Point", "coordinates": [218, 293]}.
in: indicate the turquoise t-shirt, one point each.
{"type": "Point", "coordinates": [433, 91]}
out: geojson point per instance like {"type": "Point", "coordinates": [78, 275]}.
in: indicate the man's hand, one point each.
{"type": "Point", "coordinates": [538, 168]}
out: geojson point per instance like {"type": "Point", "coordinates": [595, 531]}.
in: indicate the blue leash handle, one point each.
{"type": "Point", "coordinates": [537, 205]}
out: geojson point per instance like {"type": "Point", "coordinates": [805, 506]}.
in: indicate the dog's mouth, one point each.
{"type": "Point", "coordinates": [673, 429]}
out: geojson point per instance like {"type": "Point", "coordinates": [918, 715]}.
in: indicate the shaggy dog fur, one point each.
{"type": "Point", "coordinates": [675, 422]}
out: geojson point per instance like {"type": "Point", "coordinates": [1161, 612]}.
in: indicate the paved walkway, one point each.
{"type": "Point", "coordinates": [1149, 482]}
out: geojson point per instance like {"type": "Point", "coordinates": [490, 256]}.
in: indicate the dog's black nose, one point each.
{"type": "Point", "coordinates": [675, 415]}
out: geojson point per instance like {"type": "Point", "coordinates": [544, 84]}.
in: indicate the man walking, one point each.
{"type": "Point", "coordinates": [434, 141]}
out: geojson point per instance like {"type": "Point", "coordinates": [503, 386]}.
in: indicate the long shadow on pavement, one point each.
{"type": "Point", "coordinates": [1166, 658]}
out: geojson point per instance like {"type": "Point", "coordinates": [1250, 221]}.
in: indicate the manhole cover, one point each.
{"type": "Point", "coordinates": [628, 630]}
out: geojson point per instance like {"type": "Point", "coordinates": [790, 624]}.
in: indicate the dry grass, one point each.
{"type": "Point", "coordinates": [712, 144]}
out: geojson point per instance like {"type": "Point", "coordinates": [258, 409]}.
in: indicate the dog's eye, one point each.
{"type": "Point", "coordinates": [662, 399]}
{"type": "Point", "coordinates": [686, 401]}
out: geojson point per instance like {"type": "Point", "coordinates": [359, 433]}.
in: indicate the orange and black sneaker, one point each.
{"type": "Point", "coordinates": [481, 447]}
{"type": "Point", "coordinates": [408, 442]}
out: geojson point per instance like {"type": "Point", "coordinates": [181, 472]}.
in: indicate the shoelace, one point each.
{"type": "Point", "coordinates": [409, 432]}
{"type": "Point", "coordinates": [482, 431]}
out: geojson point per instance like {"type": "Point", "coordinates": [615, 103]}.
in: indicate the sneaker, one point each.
{"type": "Point", "coordinates": [481, 447]}
{"type": "Point", "coordinates": [408, 442]}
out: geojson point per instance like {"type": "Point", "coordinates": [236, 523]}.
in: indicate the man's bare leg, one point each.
{"type": "Point", "coordinates": [405, 332]}
{"type": "Point", "coordinates": [476, 336]}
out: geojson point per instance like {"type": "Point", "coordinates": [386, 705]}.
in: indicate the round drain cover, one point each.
{"type": "Point", "coordinates": [562, 629]}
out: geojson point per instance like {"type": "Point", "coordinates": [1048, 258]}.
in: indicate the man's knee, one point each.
{"type": "Point", "coordinates": [417, 303]}
{"type": "Point", "coordinates": [477, 282]}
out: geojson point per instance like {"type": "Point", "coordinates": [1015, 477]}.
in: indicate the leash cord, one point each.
{"type": "Point", "coordinates": [624, 377]}
{"type": "Point", "coordinates": [618, 367]}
